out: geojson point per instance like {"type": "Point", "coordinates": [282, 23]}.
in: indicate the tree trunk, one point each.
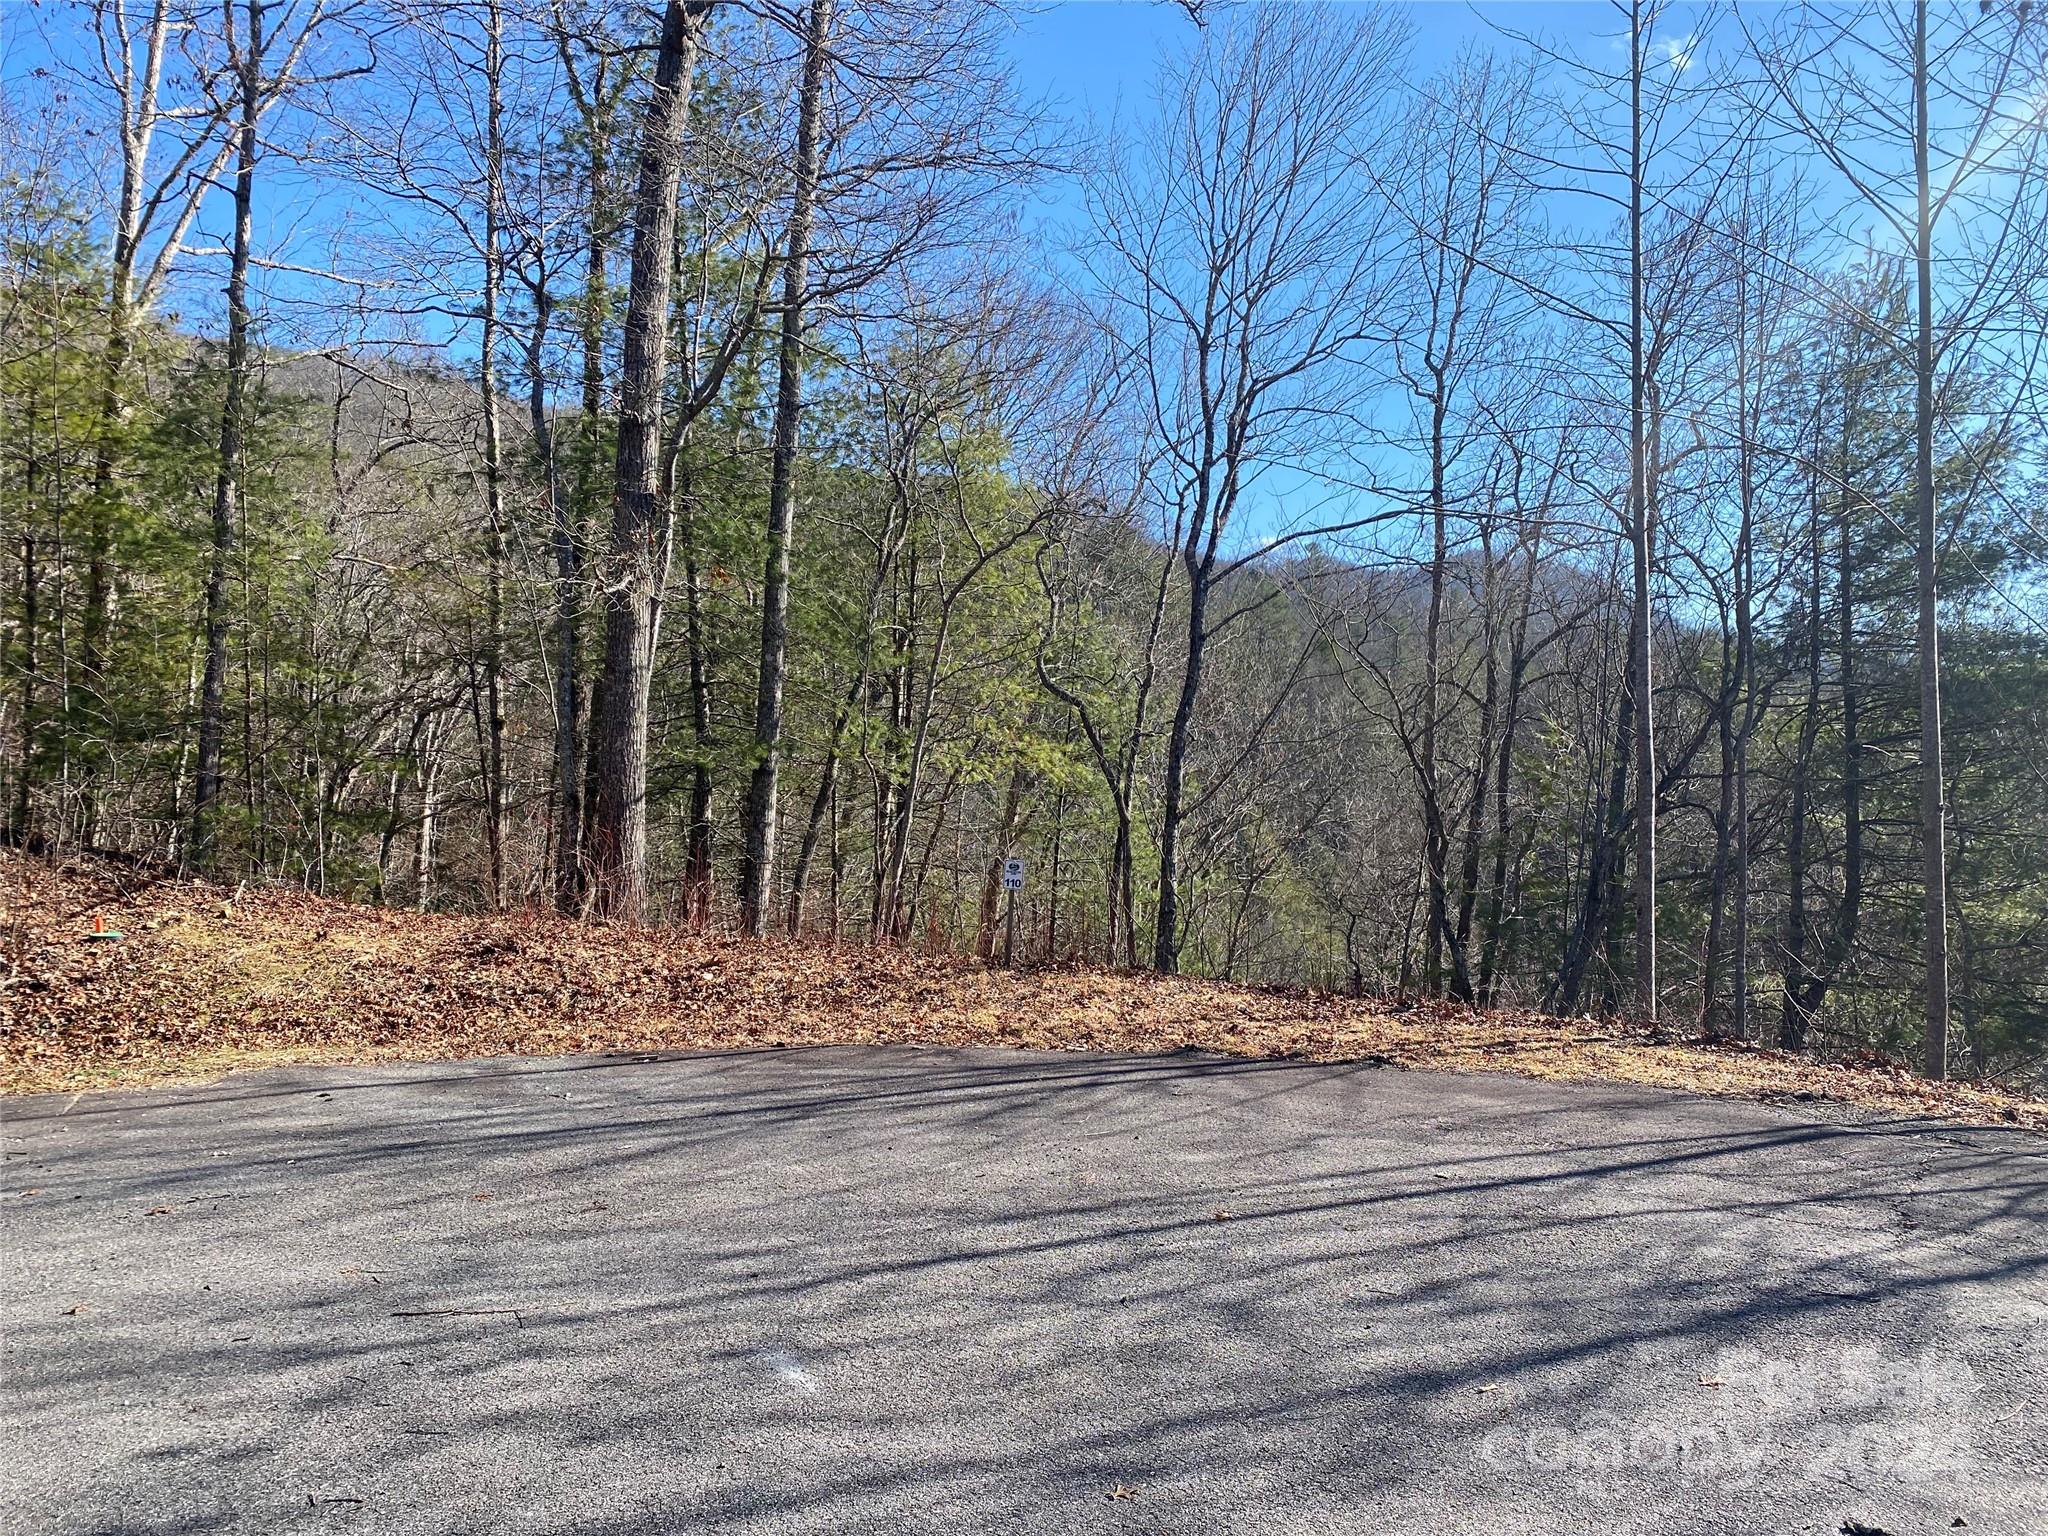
{"type": "Point", "coordinates": [698, 851]}
{"type": "Point", "coordinates": [1474, 815]}
{"type": "Point", "coordinates": [31, 618]}
{"type": "Point", "coordinates": [430, 819]}
{"type": "Point", "coordinates": [807, 850]}
{"type": "Point", "coordinates": [1641, 537]}
{"type": "Point", "coordinates": [1166, 940]}
{"type": "Point", "coordinates": [570, 528]}
{"type": "Point", "coordinates": [894, 528]}
{"type": "Point", "coordinates": [1724, 827]}
{"type": "Point", "coordinates": [828, 791]}
{"type": "Point", "coordinates": [758, 874]}
{"type": "Point", "coordinates": [494, 470]}
{"type": "Point", "coordinates": [1745, 670]}
{"type": "Point", "coordinates": [137, 130]}
{"type": "Point", "coordinates": [1610, 815]}
{"type": "Point", "coordinates": [380, 892]}
{"type": "Point", "coordinates": [618, 821]}
{"type": "Point", "coordinates": [992, 876]}
{"type": "Point", "coordinates": [1436, 840]}
{"type": "Point", "coordinates": [1494, 945]}
{"type": "Point", "coordinates": [1934, 855]}
{"type": "Point", "coordinates": [228, 481]}
{"type": "Point", "coordinates": [565, 873]}
{"type": "Point", "coordinates": [1797, 1015]}
{"type": "Point", "coordinates": [1806, 996]}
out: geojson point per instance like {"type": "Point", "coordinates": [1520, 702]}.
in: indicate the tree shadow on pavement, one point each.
{"type": "Point", "coordinates": [916, 1289]}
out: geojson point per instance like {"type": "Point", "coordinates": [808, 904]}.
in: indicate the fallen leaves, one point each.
{"type": "Point", "coordinates": [278, 976]}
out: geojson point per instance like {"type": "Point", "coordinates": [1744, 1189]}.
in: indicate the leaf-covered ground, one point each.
{"type": "Point", "coordinates": [206, 978]}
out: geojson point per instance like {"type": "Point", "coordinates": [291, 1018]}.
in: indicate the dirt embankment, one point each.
{"type": "Point", "coordinates": [204, 979]}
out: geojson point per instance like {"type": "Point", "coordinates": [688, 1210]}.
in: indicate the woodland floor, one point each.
{"type": "Point", "coordinates": [206, 979]}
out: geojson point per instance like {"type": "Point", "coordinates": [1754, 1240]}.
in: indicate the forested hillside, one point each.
{"type": "Point", "coordinates": [1547, 531]}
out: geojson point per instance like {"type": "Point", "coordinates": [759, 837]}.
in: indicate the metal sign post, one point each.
{"type": "Point", "coordinates": [1013, 882]}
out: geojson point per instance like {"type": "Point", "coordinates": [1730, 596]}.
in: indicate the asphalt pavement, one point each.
{"type": "Point", "coordinates": [901, 1290]}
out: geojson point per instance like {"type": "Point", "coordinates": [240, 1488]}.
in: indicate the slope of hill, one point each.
{"type": "Point", "coordinates": [203, 979]}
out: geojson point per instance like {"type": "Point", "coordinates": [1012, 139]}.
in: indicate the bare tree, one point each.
{"type": "Point", "coordinates": [907, 129]}
{"type": "Point", "coordinates": [1862, 87]}
{"type": "Point", "coordinates": [1755, 241]}
{"type": "Point", "coordinates": [157, 201]}
{"type": "Point", "coordinates": [636, 558]}
{"type": "Point", "coordinates": [266, 43]}
{"type": "Point", "coordinates": [1465, 200]}
{"type": "Point", "coordinates": [758, 867]}
{"type": "Point", "coordinates": [1623, 124]}
{"type": "Point", "coordinates": [1245, 257]}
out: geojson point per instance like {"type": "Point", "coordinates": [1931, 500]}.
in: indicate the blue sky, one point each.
{"type": "Point", "coordinates": [1087, 60]}
{"type": "Point", "coordinates": [1094, 61]}
{"type": "Point", "coordinates": [1099, 59]}
{"type": "Point", "coordinates": [1095, 53]}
